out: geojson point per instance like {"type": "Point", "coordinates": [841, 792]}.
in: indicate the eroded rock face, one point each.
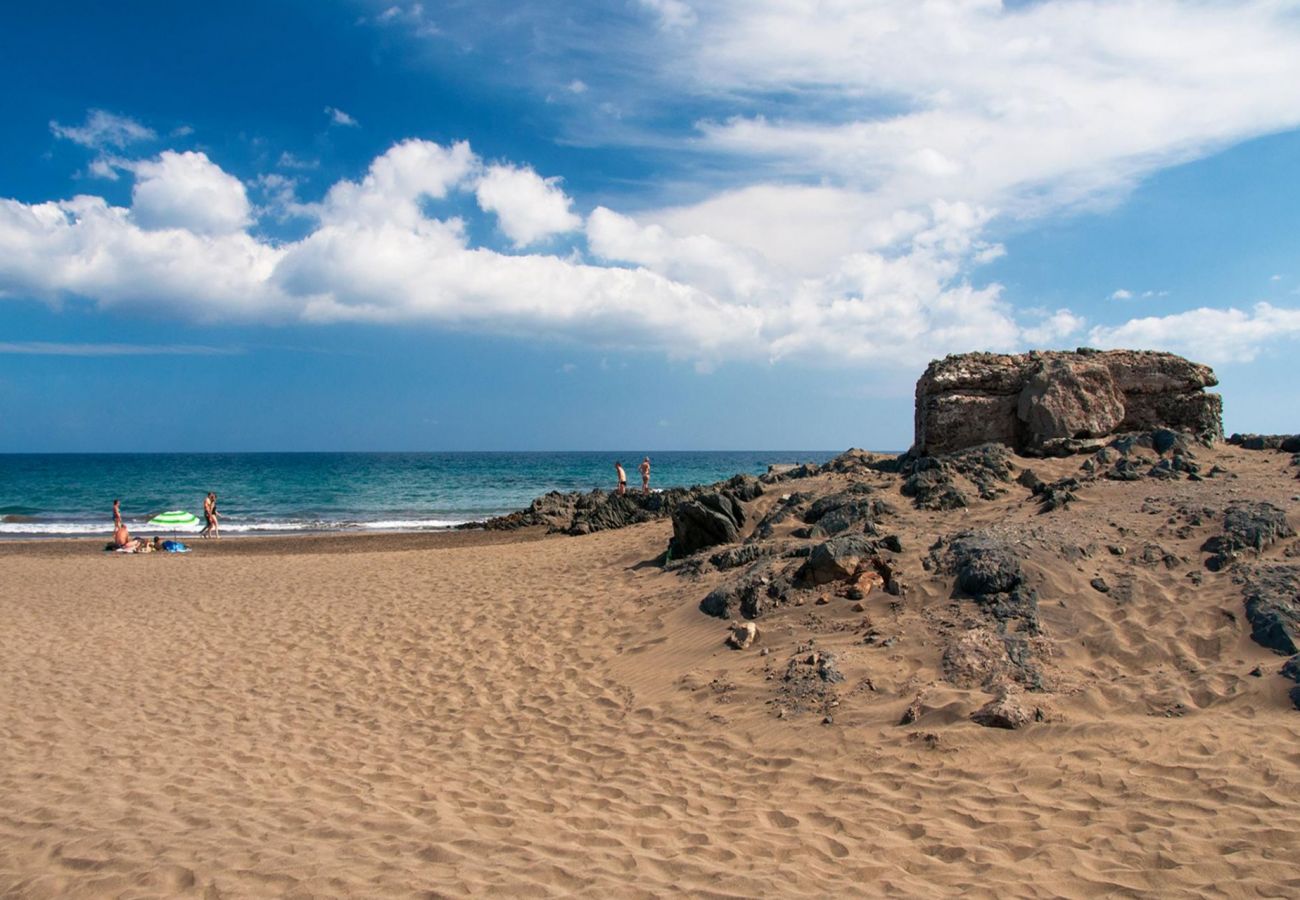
{"type": "Point", "coordinates": [1040, 402]}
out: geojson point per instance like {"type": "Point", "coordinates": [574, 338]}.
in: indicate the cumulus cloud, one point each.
{"type": "Point", "coordinates": [1213, 335]}
{"type": "Point", "coordinates": [103, 130]}
{"type": "Point", "coordinates": [835, 201]}
{"type": "Point", "coordinates": [379, 251]}
{"type": "Point", "coordinates": [528, 207]}
{"type": "Point", "coordinates": [188, 191]}
{"type": "Point", "coordinates": [396, 182]}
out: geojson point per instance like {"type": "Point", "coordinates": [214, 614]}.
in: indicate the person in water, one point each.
{"type": "Point", "coordinates": [211, 528]}
{"type": "Point", "coordinates": [645, 475]}
{"type": "Point", "coordinates": [622, 478]}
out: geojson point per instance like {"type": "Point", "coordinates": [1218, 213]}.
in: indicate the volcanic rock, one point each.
{"type": "Point", "coordinates": [1049, 403]}
{"type": "Point", "coordinates": [1272, 597]}
{"type": "Point", "coordinates": [837, 559]}
{"type": "Point", "coordinates": [1004, 711]}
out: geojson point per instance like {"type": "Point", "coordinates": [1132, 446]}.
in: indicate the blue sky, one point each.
{"type": "Point", "coordinates": [640, 223]}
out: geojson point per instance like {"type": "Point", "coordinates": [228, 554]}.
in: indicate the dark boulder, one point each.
{"type": "Point", "coordinates": [745, 487]}
{"type": "Point", "coordinates": [734, 557]}
{"type": "Point", "coordinates": [783, 509]}
{"type": "Point", "coordinates": [989, 571]}
{"type": "Point", "coordinates": [837, 559]}
{"type": "Point", "coordinates": [1288, 443]}
{"type": "Point", "coordinates": [1291, 669]}
{"type": "Point", "coordinates": [708, 520]}
{"type": "Point", "coordinates": [751, 595]}
{"type": "Point", "coordinates": [1272, 598]}
{"type": "Point", "coordinates": [1246, 526]}
{"type": "Point", "coordinates": [984, 569]}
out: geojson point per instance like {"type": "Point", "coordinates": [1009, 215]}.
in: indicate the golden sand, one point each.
{"type": "Point", "coordinates": [517, 716]}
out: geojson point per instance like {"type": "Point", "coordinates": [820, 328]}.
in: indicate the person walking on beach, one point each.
{"type": "Point", "coordinates": [645, 475]}
{"type": "Point", "coordinates": [210, 529]}
{"type": "Point", "coordinates": [622, 478]}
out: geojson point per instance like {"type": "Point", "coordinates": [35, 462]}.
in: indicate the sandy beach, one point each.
{"type": "Point", "coordinates": [520, 715]}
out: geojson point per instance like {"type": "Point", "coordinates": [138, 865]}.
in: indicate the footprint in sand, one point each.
{"type": "Point", "coordinates": [781, 820]}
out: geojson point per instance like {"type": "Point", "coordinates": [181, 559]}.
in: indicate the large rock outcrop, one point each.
{"type": "Point", "coordinates": [1040, 402]}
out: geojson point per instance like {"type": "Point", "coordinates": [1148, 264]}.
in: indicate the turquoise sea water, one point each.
{"type": "Point", "coordinates": [72, 494]}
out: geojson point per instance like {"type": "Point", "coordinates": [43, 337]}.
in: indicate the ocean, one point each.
{"type": "Point", "coordinates": [71, 494]}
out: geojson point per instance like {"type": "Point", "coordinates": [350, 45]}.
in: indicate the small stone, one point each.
{"type": "Point", "coordinates": [1004, 711]}
{"type": "Point", "coordinates": [828, 721]}
{"type": "Point", "coordinates": [1117, 549]}
{"type": "Point", "coordinates": [743, 635]}
{"type": "Point", "coordinates": [1257, 672]}
{"type": "Point", "coordinates": [822, 600]}
{"type": "Point", "coordinates": [764, 652]}
{"type": "Point", "coordinates": [1099, 584]}
{"type": "Point", "coordinates": [859, 607]}
{"type": "Point", "coordinates": [855, 593]}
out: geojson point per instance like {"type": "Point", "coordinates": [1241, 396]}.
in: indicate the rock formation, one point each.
{"type": "Point", "coordinates": [1044, 403]}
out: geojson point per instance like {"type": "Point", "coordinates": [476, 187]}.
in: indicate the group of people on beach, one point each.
{"type": "Point", "coordinates": [644, 469]}
{"type": "Point", "coordinates": [123, 541]}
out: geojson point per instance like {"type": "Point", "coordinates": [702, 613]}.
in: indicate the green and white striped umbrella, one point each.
{"type": "Point", "coordinates": [177, 518]}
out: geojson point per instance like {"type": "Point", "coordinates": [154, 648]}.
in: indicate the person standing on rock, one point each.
{"type": "Point", "coordinates": [622, 477]}
{"type": "Point", "coordinates": [645, 475]}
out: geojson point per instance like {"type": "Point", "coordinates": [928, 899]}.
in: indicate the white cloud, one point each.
{"type": "Point", "coordinates": [1122, 294]}
{"type": "Point", "coordinates": [1210, 335]}
{"type": "Point", "coordinates": [397, 181]}
{"type": "Point", "coordinates": [339, 117]}
{"type": "Point", "coordinates": [722, 270]}
{"type": "Point", "coordinates": [412, 16]}
{"type": "Point", "coordinates": [528, 207]}
{"type": "Point", "coordinates": [102, 130]}
{"type": "Point", "coordinates": [187, 190]}
{"type": "Point", "coordinates": [288, 160]}
{"type": "Point", "coordinates": [1054, 330]}
{"type": "Point", "coordinates": [378, 253]}
{"type": "Point", "coordinates": [673, 14]}
{"type": "Point", "coordinates": [103, 167]}
{"type": "Point", "coordinates": [84, 247]}
{"type": "Point", "coordinates": [577, 86]}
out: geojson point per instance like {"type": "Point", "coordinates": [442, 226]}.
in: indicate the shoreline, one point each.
{"type": "Point", "coordinates": [286, 544]}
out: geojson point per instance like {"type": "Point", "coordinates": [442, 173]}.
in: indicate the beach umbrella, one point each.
{"type": "Point", "coordinates": [176, 518]}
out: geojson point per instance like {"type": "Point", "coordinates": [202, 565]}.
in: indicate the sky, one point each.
{"type": "Point", "coordinates": [630, 224]}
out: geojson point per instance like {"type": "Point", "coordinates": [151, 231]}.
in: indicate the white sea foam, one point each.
{"type": "Point", "coordinates": [412, 524]}
{"type": "Point", "coordinates": [81, 529]}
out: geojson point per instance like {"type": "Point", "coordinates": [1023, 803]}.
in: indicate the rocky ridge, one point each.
{"type": "Point", "coordinates": [1054, 402]}
{"type": "Point", "coordinates": [953, 583]}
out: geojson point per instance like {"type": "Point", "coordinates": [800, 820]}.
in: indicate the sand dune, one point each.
{"type": "Point", "coordinates": [554, 717]}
